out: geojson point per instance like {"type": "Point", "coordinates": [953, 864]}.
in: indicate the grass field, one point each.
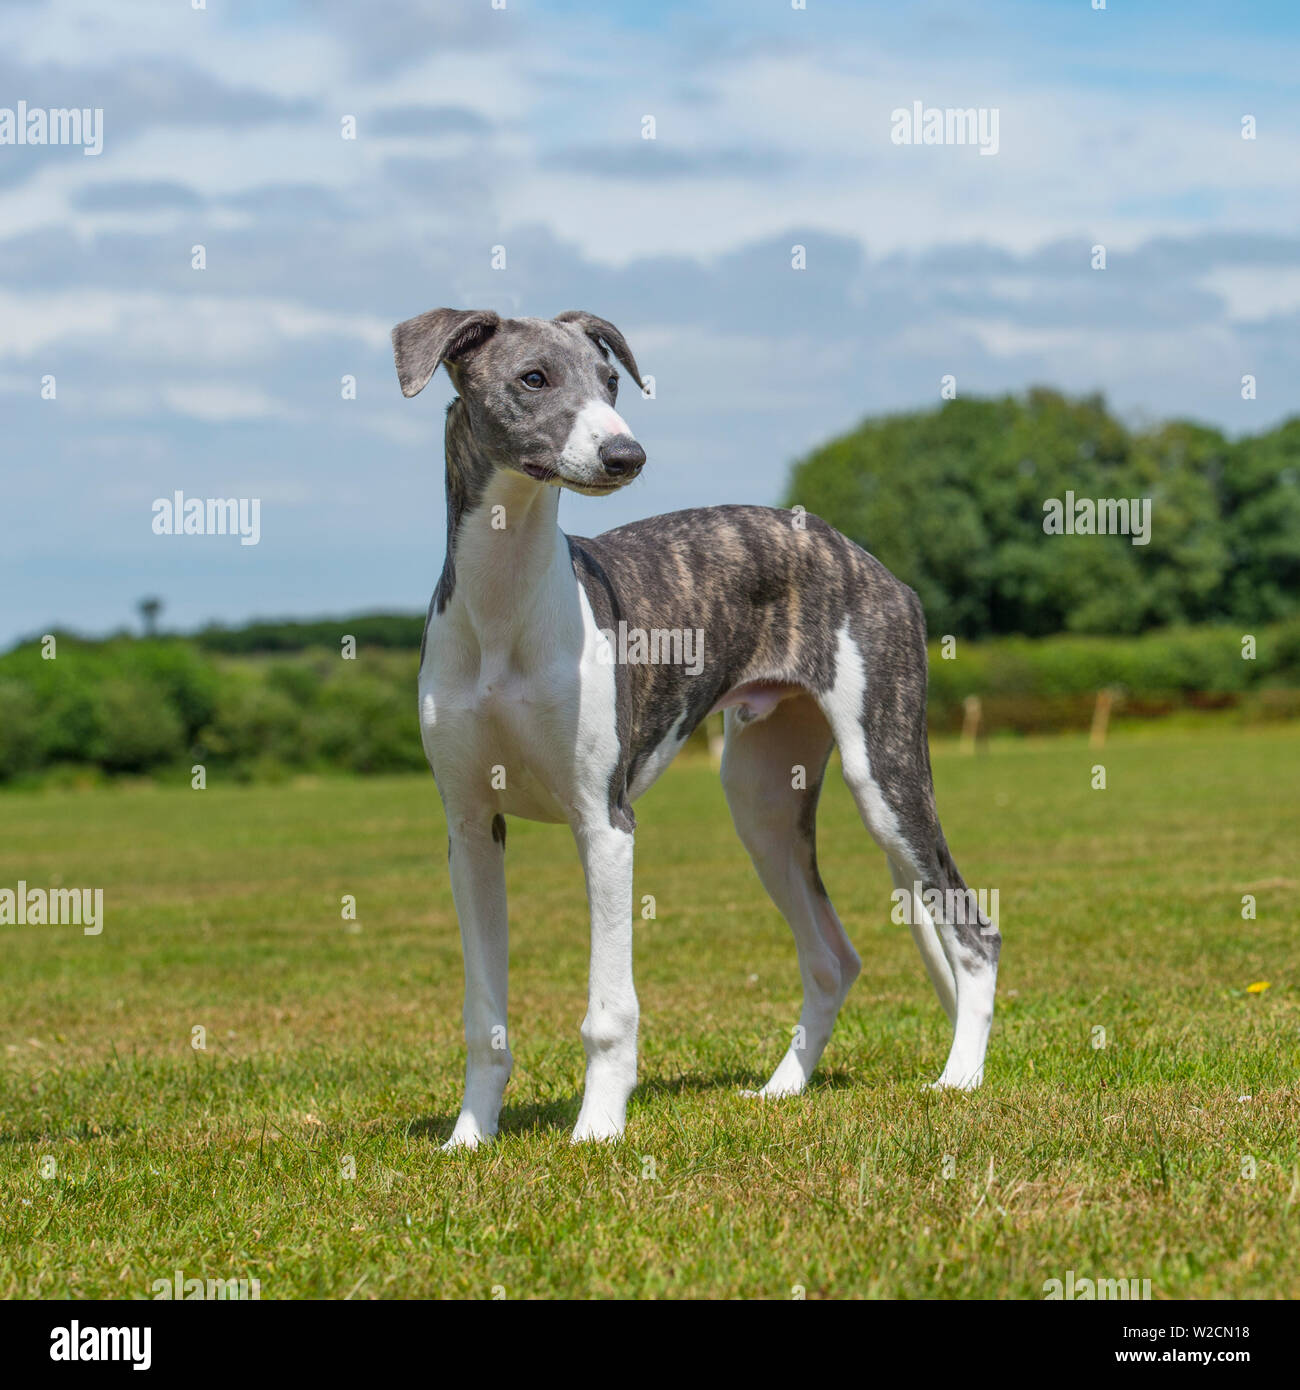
{"type": "Point", "coordinates": [329, 1041]}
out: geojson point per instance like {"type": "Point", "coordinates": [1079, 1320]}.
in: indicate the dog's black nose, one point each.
{"type": "Point", "coordinates": [622, 456]}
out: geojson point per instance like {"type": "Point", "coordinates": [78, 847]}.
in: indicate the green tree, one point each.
{"type": "Point", "coordinates": [952, 500]}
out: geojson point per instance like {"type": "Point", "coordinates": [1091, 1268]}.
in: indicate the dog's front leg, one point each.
{"type": "Point", "coordinates": [478, 885]}
{"type": "Point", "coordinates": [609, 1029]}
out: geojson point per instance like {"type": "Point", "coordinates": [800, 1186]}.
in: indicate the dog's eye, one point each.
{"type": "Point", "coordinates": [612, 383]}
{"type": "Point", "coordinates": [533, 380]}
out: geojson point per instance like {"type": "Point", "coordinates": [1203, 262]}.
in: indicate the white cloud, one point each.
{"type": "Point", "coordinates": [220, 403]}
{"type": "Point", "coordinates": [1253, 293]}
{"type": "Point", "coordinates": [280, 59]}
{"type": "Point", "coordinates": [152, 327]}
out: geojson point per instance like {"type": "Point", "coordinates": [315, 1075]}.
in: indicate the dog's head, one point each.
{"type": "Point", "coordinates": [540, 393]}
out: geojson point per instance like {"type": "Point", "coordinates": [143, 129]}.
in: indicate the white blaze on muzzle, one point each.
{"type": "Point", "coordinates": [595, 423]}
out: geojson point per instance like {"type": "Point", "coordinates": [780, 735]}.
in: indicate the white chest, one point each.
{"type": "Point", "coordinates": [526, 727]}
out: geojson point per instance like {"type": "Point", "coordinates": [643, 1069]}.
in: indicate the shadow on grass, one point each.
{"type": "Point", "coordinates": [515, 1119]}
{"type": "Point", "coordinates": [562, 1114]}
{"type": "Point", "coordinates": [689, 1083]}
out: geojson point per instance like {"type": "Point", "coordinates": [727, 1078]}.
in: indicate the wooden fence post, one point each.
{"type": "Point", "coordinates": [970, 726]}
{"type": "Point", "coordinates": [1100, 719]}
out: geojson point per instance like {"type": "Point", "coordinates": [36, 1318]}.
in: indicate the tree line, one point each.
{"type": "Point", "coordinates": [955, 501]}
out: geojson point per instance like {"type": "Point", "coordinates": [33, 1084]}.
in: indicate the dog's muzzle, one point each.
{"type": "Point", "coordinates": [621, 457]}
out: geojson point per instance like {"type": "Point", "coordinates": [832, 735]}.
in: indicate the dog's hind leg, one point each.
{"type": "Point", "coordinates": [970, 939]}
{"type": "Point", "coordinates": [877, 712]}
{"type": "Point", "coordinates": [971, 944]}
{"type": "Point", "coordinates": [926, 937]}
{"type": "Point", "coordinates": [772, 773]}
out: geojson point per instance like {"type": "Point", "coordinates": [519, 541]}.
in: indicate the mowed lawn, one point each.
{"type": "Point", "coordinates": [1169, 1153]}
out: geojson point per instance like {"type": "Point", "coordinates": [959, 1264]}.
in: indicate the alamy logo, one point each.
{"type": "Point", "coordinates": [656, 646]}
{"type": "Point", "coordinates": [1121, 1290]}
{"type": "Point", "coordinates": [77, 1343]}
{"type": "Point", "coordinates": [179, 515]}
{"type": "Point", "coordinates": [948, 906]}
{"type": "Point", "coordinates": [950, 125]}
{"type": "Point", "coordinates": [179, 1287]}
{"type": "Point", "coordinates": [1101, 516]}
{"type": "Point", "coordinates": [35, 125]}
{"type": "Point", "coordinates": [55, 907]}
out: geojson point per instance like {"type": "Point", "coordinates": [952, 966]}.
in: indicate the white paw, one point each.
{"type": "Point", "coordinates": [776, 1091]}
{"type": "Point", "coordinates": [599, 1124]}
{"type": "Point", "coordinates": [602, 1115]}
{"type": "Point", "coordinates": [594, 1133]}
{"type": "Point", "coordinates": [948, 1083]}
{"type": "Point", "coordinates": [465, 1138]}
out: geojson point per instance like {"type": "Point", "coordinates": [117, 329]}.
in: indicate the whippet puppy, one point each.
{"type": "Point", "coordinates": [526, 708]}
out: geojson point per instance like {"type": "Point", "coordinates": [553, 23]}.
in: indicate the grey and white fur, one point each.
{"type": "Point", "coordinates": [809, 642]}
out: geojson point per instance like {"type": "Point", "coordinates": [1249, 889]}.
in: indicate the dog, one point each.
{"type": "Point", "coordinates": [525, 709]}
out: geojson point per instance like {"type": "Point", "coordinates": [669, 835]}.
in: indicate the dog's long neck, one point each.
{"type": "Point", "coordinates": [506, 555]}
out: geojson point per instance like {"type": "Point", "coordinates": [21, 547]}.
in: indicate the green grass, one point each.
{"type": "Point", "coordinates": [1121, 909]}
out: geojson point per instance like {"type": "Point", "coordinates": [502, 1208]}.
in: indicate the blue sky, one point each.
{"type": "Point", "coordinates": [522, 128]}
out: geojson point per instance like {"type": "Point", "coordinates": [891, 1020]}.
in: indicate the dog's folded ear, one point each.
{"type": "Point", "coordinates": [603, 332]}
{"type": "Point", "coordinates": [441, 335]}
